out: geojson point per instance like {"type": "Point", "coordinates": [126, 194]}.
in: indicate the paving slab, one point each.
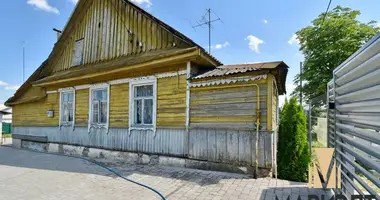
{"type": "Point", "coordinates": [37, 176]}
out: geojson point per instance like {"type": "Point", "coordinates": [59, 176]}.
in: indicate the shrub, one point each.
{"type": "Point", "coordinates": [293, 151]}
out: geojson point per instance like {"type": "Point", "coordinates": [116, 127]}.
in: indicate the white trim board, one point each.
{"type": "Point", "coordinates": [227, 81]}
{"type": "Point", "coordinates": [125, 80]}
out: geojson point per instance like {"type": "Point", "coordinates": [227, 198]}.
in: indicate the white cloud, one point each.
{"type": "Point", "coordinates": [12, 87]}
{"type": "Point", "coordinates": [265, 21]}
{"type": "Point", "coordinates": [147, 3]}
{"type": "Point", "coordinates": [43, 5]}
{"type": "Point", "coordinates": [2, 83]}
{"type": "Point", "coordinates": [294, 40]}
{"type": "Point", "coordinates": [289, 90]}
{"type": "Point", "coordinates": [254, 43]}
{"type": "Point", "coordinates": [219, 46]}
{"type": "Point", "coordinates": [8, 86]}
{"type": "Point", "coordinates": [377, 25]}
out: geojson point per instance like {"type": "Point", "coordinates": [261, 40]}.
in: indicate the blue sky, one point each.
{"type": "Point", "coordinates": [252, 30]}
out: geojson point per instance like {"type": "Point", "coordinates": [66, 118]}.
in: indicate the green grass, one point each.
{"type": "Point", "coordinates": [369, 183]}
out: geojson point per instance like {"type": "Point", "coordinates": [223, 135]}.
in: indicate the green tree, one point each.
{"type": "Point", "coordinates": [329, 41]}
{"type": "Point", "coordinates": [293, 151]}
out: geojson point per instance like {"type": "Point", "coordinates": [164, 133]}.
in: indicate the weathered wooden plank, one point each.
{"type": "Point", "coordinates": [221, 144]}
{"type": "Point", "coordinates": [228, 107]}
{"type": "Point", "coordinates": [235, 125]}
{"type": "Point", "coordinates": [233, 146]}
{"type": "Point", "coordinates": [211, 145]}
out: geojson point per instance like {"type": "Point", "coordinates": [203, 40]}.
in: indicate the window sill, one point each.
{"type": "Point", "coordinates": [66, 124]}
{"type": "Point", "coordinates": [142, 128]}
{"type": "Point", "coordinates": [98, 126]}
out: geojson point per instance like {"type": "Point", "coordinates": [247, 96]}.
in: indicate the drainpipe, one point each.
{"type": "Point", "coordinates": [257, 129]}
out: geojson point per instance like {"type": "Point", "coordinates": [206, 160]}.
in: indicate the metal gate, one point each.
{"type": "Point", "coordinates": [354, 120]}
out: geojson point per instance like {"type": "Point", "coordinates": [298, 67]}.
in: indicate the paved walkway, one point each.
{"type": "Point", "coordinates": [36, 176]}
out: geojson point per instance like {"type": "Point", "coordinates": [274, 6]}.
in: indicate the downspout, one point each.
{"type": "Point", "coordinates": [257, 129]}
{"type": "Point", "coordinates": [274, 160]}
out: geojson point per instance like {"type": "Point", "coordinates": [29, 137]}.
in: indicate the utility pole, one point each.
{"type": "Point", "coordinates": [208, 22]}
{"type": "Point", "coordinates": [23, 61]}
{"type": "Point", "coordinates": [301, 83]}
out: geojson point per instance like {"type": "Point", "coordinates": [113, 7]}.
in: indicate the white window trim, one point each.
{"type": "Point", "coordinates": [61, 91]}
{"type": "Point", "coordinates": [96, 87]}
{"type": "Point", "coordinates": [149, 81]}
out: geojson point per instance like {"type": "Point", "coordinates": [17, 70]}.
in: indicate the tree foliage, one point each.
{"type": "Point", "coordinates": [293, 151]}
{"type": "Point", "coordinates": [329, 41]}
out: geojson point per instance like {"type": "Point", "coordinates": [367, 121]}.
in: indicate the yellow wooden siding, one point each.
{"type": "Point", "coordinates": [81, 107]}
{"type": "Point", "coordinates": [222, 106]}
{"type": "Point", "coordinates": [112, 28]}
{"type": "Point", "coordinates": [119, 106]}
{"type": "Point", "coordinates": [171, 101]}
{"type": "Point", "coordinates": [35, 113]}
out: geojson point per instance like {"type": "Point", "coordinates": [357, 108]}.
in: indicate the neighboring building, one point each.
{"type": "Point", "coordinates": [3, 113]}
{"type": "Point", "coordinates": [120, 79]}
{"type": "Point", "coordinates": [7, 118]}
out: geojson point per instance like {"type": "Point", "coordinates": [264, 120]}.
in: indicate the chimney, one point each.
{"type": "Point", "coordinates": [59, 33]}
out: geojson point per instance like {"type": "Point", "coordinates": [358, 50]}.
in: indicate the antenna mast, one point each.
{"type": "Point", "coordinates": [207, 21]}
{"type": "Point", "coordinates": [23, 60]}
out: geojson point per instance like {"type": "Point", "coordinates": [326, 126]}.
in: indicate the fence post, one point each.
{"type": "Point", "coordinates": [310, 127]}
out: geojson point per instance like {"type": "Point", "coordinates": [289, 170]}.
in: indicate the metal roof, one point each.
{"type": "Point", "coordinates": [239, 68]}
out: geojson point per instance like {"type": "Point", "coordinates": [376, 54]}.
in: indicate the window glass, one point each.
{"type": "Point", "coordinates": [67, 107]}
{"type": "Point", "coordinates": [144, 91]}
{"type": "Point", "coordinates": [138, 111]}
{"type": "Point", "coordinates": [143, 105]}
{"type": "Point", "coordinates": [99, 106]}
{"type": "Point", "coordinates": [148, 111]}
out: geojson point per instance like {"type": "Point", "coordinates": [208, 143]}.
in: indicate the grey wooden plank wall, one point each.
{"type": "Point", "coordinates": [216, 145]}
{"type": "Point", "coordinates": [165, 141]}
{"type": "Point", "coordinates": [229, 146]}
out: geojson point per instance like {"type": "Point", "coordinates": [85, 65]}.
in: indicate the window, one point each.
{"type": "Point", "coordinates": [67, 108]}
{"type": "Point", "coordinates": [99, 106]}
{"type": "Point", "coordinates": [143, 104]}
{"type": "Point", "coordinates": [78, 52]}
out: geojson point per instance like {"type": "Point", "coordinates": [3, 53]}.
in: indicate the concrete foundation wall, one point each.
{"type": "Point", "coordinates": [103, 155]}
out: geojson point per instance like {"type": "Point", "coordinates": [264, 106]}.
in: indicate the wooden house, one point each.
{"type": "Point", "coordinates": [120, 79]}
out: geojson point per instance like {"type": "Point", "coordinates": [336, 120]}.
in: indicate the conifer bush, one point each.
{"type": "Point", "coordinates": [293, 152]}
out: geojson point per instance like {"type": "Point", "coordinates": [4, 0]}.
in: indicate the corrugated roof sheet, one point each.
{"type": "Point", "coordinates": [240, 68]}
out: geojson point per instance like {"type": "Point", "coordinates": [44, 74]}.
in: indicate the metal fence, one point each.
{"type": "Point", "coordinates": [317, 121]}
{"type": "Point", "coordinates": [354, 120]}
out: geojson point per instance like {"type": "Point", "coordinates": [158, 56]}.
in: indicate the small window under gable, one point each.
{"type": "Point", "coordinates": [78, 52]}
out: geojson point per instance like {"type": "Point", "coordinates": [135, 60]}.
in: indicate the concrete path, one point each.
{"type": "Point", "coordinates": [36, 176]}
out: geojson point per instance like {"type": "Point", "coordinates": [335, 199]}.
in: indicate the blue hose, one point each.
{"type": "Point", "coordinates": [105, 167]}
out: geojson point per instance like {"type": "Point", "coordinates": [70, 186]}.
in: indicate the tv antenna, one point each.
{"type": "Point", "coordinates": [207, 21]}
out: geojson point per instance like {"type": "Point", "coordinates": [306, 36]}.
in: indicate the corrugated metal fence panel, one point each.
{"type": "Point", "coordinates": [165, 141]}
{"type": "Point", "coordinates": [230, 146]}
{"type": "Point", "coordinates": [356, 93]}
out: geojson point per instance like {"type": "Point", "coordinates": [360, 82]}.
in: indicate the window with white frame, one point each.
{"type": "Point", "coordinates": [143, 104]}
{"type": "Point", "coordinates": [67, 108]}
{"type": "Point", "coordinates": [99, 106]}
